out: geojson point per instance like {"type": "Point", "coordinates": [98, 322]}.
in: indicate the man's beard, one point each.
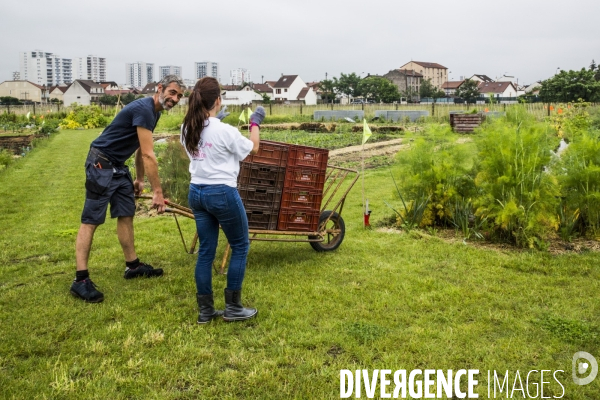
{"type": "Point", "coordinates": [166, 104]}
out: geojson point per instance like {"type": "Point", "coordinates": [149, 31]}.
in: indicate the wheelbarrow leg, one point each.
{"type": "Point", "coordinates": [222, 272]}
{"type": "Point", "coordinates": [194, 241]}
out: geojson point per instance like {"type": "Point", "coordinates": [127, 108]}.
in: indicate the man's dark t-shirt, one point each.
{"type": "Point", "coordinates": [119, 140]}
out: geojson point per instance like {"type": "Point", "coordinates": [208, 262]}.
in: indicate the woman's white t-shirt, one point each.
{"type": "Point", "coordinates": [220, 150]}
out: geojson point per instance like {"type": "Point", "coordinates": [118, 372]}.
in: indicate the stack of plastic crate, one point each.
{"type": "Point", "coordinates": [303, 189]}
{"type": "Point", "coordinates": [260, 183]}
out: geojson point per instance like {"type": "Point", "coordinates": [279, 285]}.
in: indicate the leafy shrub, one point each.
{"type": "Point", "coordinates": [87, 117]}
{"type": "Point", "coordinates": [579, 176]}
{"type": "Point", "coordinates": [516, 195]}
{"type": "Point", "coordinates": [49, 126]}
{"type": "Point", "coordinates": [437, 169]}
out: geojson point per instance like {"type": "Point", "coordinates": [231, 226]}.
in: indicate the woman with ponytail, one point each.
{"type": "Point", "coordinates": [215, 150]}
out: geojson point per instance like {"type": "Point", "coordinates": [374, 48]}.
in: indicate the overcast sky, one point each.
{"type": "Point", "coordinates": [528, 39]}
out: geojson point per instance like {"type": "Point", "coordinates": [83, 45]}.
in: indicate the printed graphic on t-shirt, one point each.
{"type": "Point", "coordinates": [200, 155]}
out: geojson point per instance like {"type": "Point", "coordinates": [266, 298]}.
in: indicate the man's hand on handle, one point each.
{"type": "Point", "coordinates": [158, 202]}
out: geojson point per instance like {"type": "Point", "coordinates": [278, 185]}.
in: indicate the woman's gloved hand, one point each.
{"type": "Point", "coordinates": [222, 114]}
{"type": "Point", "coordinates": [258, 116]}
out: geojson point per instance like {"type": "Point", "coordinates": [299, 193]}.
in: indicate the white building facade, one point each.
{"type": "Point", "coordinates": [169, 70]}
{"type": "Point", "coordinates": [239, 76]}
{"type": "Point", "coordinates": [90, 68]}
{"type": "Point", "coordinates": [206, 68]}
{"type": "Point", "coordinates": [139, 74]}
{"type": "Point", "coordinates": [46, 69]}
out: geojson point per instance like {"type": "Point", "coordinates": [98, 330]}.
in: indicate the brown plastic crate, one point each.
{"type": "Point", "coordinates": [260, 197]}
{"type": "Point", "coordinates": [304, 177]}
{"type": "Point", "coordinates": [262, 219]}
{"type": "Point", "coordinates": [261, 175]}
{"type": "Point", "coordinates": [298, 220]}
{"type": "Point", "coordinates": [270, 153]}
{"type": "Point", "coordinates": [302, 199]}
{"type": "Point", "coordinates": [306, 156]}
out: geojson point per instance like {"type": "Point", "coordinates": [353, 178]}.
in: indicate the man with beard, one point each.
{"type": "Point", "coordinates": [108, 181]}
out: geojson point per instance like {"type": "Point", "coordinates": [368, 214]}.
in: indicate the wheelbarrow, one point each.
{"type": "Point", "coordinates": [331, 228]}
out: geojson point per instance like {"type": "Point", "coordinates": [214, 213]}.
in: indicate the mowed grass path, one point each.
{"type": "Point", "coordinates": [382, 301]}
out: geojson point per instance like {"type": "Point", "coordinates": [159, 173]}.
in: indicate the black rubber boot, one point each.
{"type": "Point", "coordinates": [206, 308]}
{"type": "Point", "coordinates": [234, 311]}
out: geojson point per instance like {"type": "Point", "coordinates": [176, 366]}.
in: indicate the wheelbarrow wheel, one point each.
{"type": "Point", "coordinates": [334, 231]}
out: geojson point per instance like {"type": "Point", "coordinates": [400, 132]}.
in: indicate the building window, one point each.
{"type": "Point", "coordinates": [285, 90]}
{"type": "Point", "coordinates": [278, 91]}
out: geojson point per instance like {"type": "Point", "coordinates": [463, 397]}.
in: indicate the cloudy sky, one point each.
{"type": "Point", "coordinates": [527, 39]}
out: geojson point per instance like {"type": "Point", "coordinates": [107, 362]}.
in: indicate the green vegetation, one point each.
{"type": "Point", "coordinates": [382, 300]}
{"type": "Point", "coordinates": [428, 90]}
{"type": "Point", "coordinates": [468, 91]}
{"type": "Point", "coordinates": [87, 117]}
{"type": "Point", "coordinates": [571, 86]}
{"type": "Point", "coordinates": [508, 184]}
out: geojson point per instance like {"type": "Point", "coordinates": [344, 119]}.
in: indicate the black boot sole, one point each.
{"type": "Point", "coordinates": [236, 319]}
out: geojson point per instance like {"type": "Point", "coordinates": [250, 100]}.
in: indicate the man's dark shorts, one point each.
{"type": "Point", "coordinates": [106, 183]}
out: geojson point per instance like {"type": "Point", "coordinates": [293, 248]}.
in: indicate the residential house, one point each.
{"type": "Point", "coordinates": [83, 92]}
{"type": "Point", "coordinates": [149, 89]}
{"type": "Point", "coordinates": [316, 86]}
{"type": "Point", "coordinates": [534, 88]}
{"type": "Point", "coordinates": [308, 96]}
{"type": "Point", "coordinates": [240, 97]}
{"type": "Point", "coordinates": [288, 88]}
{"type": "Point", "coordinates": [57, 92]}
{"type": "Point", "coordinates": [24, 91]}
{"type": "Point", "coordinates": [408, 82]}
{"type": "Point", "coordinates": [229, 87]}
{"type": "Point", "coordinates": [263, 89]}
{"type": "Point", "coordinates": [481, 78]}
{"type": "Point", "coordinates": [450, 87]}
{"type": "Point", "coordinates": [109, 85]}
{"type": "Point", "coordinates": [434, 71]}
{"type": "Point", "coordinates": [497, 89]}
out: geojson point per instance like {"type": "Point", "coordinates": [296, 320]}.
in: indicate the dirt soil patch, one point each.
{"type": "Point", "coordinates": [16, 143]}
{"type": "Point", "coordinates": [354, 154]}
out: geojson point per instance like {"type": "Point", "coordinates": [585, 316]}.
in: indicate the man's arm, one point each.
{"type": "Point", "coordinates": [149, 167]}
{"type": "Point", "coordinates": [138, 184]}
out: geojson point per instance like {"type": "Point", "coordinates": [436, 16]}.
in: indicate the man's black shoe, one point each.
{"type": "Point", "coordinates": [142, 270]}
{"type": "Point", "coordinates": [86, 290]}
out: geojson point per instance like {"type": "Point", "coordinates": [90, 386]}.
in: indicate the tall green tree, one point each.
{"type": "Point", "coordinates": [569, 86]}
{"type": "Point", "coordinates": [9, 100]}
{"type": "Point", "coordinates": [468, 91]}
{"type": "Point", "coordinates": [347, 84]}
{"type": "Point", "coordinates": [427, 89]}
{"type": "Point", "coordinates": [328, 88]}
{"type": "Point", "coordinates": [378, 89]}
{"type": "Point", "coordinates": [108, 100]}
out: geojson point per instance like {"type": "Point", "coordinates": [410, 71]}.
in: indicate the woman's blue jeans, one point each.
{"type": "Point", "coordinates": [215, 205]}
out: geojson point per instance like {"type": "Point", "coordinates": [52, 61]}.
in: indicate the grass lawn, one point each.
{"type": "Point", "coordinates": [381, 301]}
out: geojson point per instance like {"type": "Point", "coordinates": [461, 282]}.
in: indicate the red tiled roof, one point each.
{"type": "Point", "coordinates": [494, 87]}
{"type": "Point", "coordinates": [88, 84]}
{"type": "Point", "coordinates": [303, 93]}
{"type": "Point", "coordinates": [452, 84]}
{"type": "Point", "coordinates": [429, 64]}
{"type": "Point", "coordinates": [285, 81]}
{"type": "Point", "coordinates": [262, 88]}
{"type": "Point", "coordinates": [150, 88]}
{"type": "Point", "coordinates": [411, 72]}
